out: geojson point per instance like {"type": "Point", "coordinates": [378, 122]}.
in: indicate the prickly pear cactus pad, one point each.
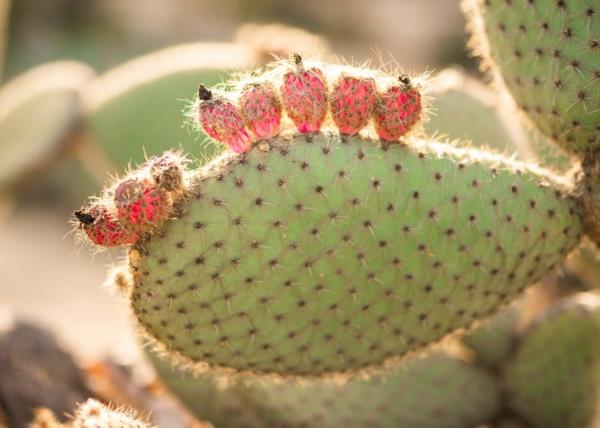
{"type": "Point", "coordinates": [547, 53]}
{"type": "Point", "coordinates": [39, 110]}
{"type": "Point", "coordinates": [493, 341]}
{"type": "Point", "coordinates": [308, 256]}
{"type": "Point", "coordinates": [140, 102]}
{"type": "Point", "coordinates": [435, 391]}
{"type": "Point", "coordinates": [553, 379]}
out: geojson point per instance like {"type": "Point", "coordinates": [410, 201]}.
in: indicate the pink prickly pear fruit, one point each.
{"type": "Point", "coordinates": [399, 108]}
{"type": "Point", "coordinates": [352, 102]}
{"type": "Point", "coordinates": [304, 94]}
{"type": "Point", "coordinates": [220, 120]}
{"type": "Point", "coordinates": [140, 205]}
{"type": "Point", "coordinates": [102, 228]}
{"type": "Point", "coordinates": [261, 110]}
{"type": "Point", "coordinates": [167, 172]}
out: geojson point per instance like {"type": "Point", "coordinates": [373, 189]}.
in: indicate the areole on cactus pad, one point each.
{"type": "Point", "coordinates": [337, 254]}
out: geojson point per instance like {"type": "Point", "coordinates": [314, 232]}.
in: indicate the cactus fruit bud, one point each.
{"type": "Point", "coordinates": [553, 378]}
{"type": "Point", "coordinates": [398, 110]}
{"type": "Point", "coordinates": [352, 102]}
{"type": "Point", "coordinates": [167, 172]}
{"type": "Point", "coordinates": [304, 95]}
{"type": "Point", "coordinates": [140, 205]}
{"type": "Point", "coordinates": [220, 120]}
{"type": "Point", "coordinates": [102, 228]}
{"type": "Point", "coordinates": [261, 109]}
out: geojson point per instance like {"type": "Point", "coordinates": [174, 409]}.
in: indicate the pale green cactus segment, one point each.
{"type": "Point", "coordinates": [547, 53]}
{"type": "Point", "coordinates": [139, 104]}
{"type": "Point", "coordinates": [338, 255]}
{"type": "Point", "coordinates": [435, 391]}
{"type": "Point", "coordinates": [221, 405]}
{"type": "Point", "coordinates": [464, 109]}
{"type": "Point", "coordinates": [493, 341]}
{"type": "Point", "coordinates": [554, 377]}
{"type": "Point", "coordinates": [39, 110]}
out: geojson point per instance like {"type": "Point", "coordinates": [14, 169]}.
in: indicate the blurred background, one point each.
{"type": "Point", "coordinates": [48, 278]}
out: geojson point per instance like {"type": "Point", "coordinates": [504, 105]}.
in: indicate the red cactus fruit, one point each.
{"type": "Point", "coordinates": [352, 102]}
{"type": "Point", "coordinates": [167, 172]}
{"type": "Point", "coordinates": [261, 110]}
{"type": "Point", "coordinates": [102, 228]}
{"type": "Point", "coordinates": [140, 205]}
{"type": "Point", "coordinates": [220, 120]}
{"type": "Point", "coordinates": [399, 108]}
{"type": "Point", "coordinates": [304, 95]}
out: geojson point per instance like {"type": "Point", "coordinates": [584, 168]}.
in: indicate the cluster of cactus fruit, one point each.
{"type": "Point", "coordinates": [316, 248]}
{"type": "Point", "coordinates": [305, 97]}
{"type": "Point", "coordinates": [135, 205]}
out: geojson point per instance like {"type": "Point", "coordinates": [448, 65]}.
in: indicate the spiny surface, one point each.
{"type": "Point", "coordinates": [103, 228]}
{"type": "Point", "coordinates": [220, 120]}
{"type": "Point", "coordinates": [399, 108]}
{"type": "Point", "coordinates": [331, 256]}
{"type": "Point", "coordinates": [553, 378]}
{"type": "Point", "coordinates": [352, 102]}
{"type": "Point", "coordinates": [140, 205]}
{"type": "Point", "coordinates": [261, 109]}
{"type": "Point", "coordinates": [304, 94]}
{"type": "Point", "coordinates": [548, 54]}
{"type": "Point", "coordinates": [435, 391]}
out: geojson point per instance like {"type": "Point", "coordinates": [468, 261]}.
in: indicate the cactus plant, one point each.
{"type": "Point", "coordinates": [553, 380]}
{"type": "Point", "coordinates": [334, 254]}
{"type": "Point", "coordinates": [332, 240]}
{"type": "Point", "coordinates": [546, 53]}
{"type": "Point", "coordinates": [47, 96]}
{"type": "Point", "coordinates": [437, 390]}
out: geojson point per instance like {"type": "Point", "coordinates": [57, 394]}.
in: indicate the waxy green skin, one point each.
{"type": "Point", "coordinates": [329, 256]}
{"type": "Point", "coordinates": [553, 379]}
{"type": "Point", "coordinates": [435, 391]}
{"type": "Point", "coordinates": [548, 55]}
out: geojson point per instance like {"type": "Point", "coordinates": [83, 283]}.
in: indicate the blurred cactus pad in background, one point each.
{"type": "Point", "coordinates": [303, 241]}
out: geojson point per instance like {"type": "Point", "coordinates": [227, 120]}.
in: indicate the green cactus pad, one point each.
{"type": "Point", "coordinates": [221, 405]}
{"type": "Point", "coordinates": [435, 391]}
{"type": "Point", "coordinates": [333, 256]}
{"type": "Point", "coordinates": [465, 109]}
{"type": "Point", "coordinates": [547, 53]}
{"type": "Point", "coordinates": [38, 111]}
{"type": "Point", "coordinates": [553, 378]}
{"type": "Point", "coordinates": [493, 341]}
{"type": "Point", "coordinates": [139, 104]}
